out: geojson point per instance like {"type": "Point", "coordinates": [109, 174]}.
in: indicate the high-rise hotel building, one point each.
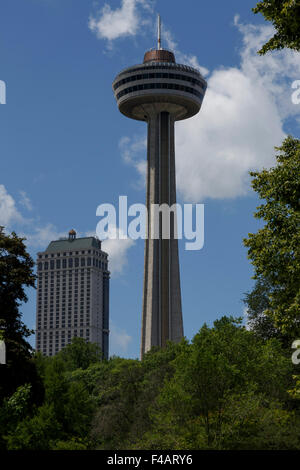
{"type": "Point", "coordinates": [72, 294]}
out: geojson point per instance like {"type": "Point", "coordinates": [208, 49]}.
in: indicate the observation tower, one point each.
{"type": "Point", "coordinates": [159, 91]}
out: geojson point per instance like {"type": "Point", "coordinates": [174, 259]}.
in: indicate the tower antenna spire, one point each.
{"type": "Point", "coordinates": [158, 33]}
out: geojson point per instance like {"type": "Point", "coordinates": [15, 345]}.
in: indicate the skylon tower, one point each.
{"type": "Point", "coordinates": [160, 92]}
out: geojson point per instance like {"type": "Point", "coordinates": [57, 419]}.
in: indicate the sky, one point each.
{"type": "Point", "coordinates": [65, 148]}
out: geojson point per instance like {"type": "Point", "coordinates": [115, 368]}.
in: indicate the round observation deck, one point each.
{"type": "Point", "coordinates": [162, 84]}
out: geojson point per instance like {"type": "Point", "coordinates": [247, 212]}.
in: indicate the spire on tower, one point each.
{"type": "Point", "coordinates": [159, 33]}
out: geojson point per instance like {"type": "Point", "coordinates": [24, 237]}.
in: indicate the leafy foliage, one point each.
{"type": "Point", "coordinates": [65, 414]}
{"type": "Point", "coordinates": [224, 369]}
{"type": "Point", "coordinates": [285, 16]}
{"type": "Point", "coordinates": [225, 390]}
{"type": "Point", "coordinates": [80, 354]}
{"type": "Point", "coordinates": [275, 249]}
{"type": "Point", "coordinates": [16, 273]}
{"type": "Point", "coordinates": [262, 325]}
{"type": "Point", "coordinates": [295, 392]}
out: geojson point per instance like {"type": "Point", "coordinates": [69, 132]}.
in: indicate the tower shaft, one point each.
{"type": "Point", "coordinates": [162, 314]}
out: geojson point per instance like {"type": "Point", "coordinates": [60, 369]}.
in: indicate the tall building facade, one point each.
{"type": "Point", "coordinates": [160, 92]}
{"type": "Point", "coordinates": [72, 294]}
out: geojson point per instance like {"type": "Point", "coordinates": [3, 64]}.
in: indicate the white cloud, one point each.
{"type": "Point", "coordinates": [130, 20]}
{"type": "Point", "coordinates": [117, 250]}
{"type": "Point", "coordinates": [275, 71]}
{"type": "Point", "coordinates": [124, 21]}
{"type": "Point", "coordinates": [235, 131]}
{"type": "Point", "coordinates": [8, 210]}
{"type": "Point", "coordinates": [240, 122]}
{"type": "Point", "coordinates": [40, 237]}
{"type": "Point", "coordinates": [132, 150]}
{"type": "Point", "coordinates": [25, 201]}
{"type": "Point", "coordinates": [90, 233]}
{"type": "Point", "coordinates": [10, 216]}
{"type": "Point", "coordinates": [119, 340]}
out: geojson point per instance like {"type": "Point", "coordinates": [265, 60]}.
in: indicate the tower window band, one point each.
{"type": "Point", "coordinates": [150, 86]}
{"type": "Point", "coordinates": [151, 76]}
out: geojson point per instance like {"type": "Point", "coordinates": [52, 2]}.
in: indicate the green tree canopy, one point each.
{"type": "Point", "coordinates": [225, 390]}
{"type": "Point", "coordinates": [228, 392]}
{"type": "Point", "coordinates": [274, 250]}
{"type": "Point", "coordinates": [285, 16]}
{"type": "Point", "coordinates": [262, 325]}
{"type": "Point", "coordinates": [16, 273]}
{"type": "Point", "coordinates": [80, 354]}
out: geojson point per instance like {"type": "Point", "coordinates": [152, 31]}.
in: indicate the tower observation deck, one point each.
{"type": "Point", "coordinates": [160, 92]}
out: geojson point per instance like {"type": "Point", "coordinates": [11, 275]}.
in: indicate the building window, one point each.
{"type": "Point", "coordinates": [170, 86]}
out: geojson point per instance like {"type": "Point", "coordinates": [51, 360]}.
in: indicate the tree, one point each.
{"type": "Point", "coordinates": [225, 390]}
{"type": "Point", "coordinates": [262, 325]}
{"type": "Point", "coordinates": [16, 273]}
{"type": "Point", "coordinates": [126, 392]}
{"type": "Point", "coordinates": [13, 410]}
{"type": "Point", "coordinates": [64, 417]}
{"type": "Point", "coordinates": [295, 392]}
{"type": "Point", "coordinates": [274, 250]}
{"type": "Point", "coordinates": [285, 16]}
{"type": "Point", "coordinates": [254, 421]}
{"type": "Point", "coordinates": [80, 354]}
{"type": "Point", "coordinates": [228, 388]}
{"type": "Point", "coordinates": [118, 396]}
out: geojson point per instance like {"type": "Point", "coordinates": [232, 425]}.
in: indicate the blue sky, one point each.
{"type": "Point", "coordinates": [65, 148]}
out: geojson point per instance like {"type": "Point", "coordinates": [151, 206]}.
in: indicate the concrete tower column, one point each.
{"type": "Point", "coordinates": [162, 315]}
